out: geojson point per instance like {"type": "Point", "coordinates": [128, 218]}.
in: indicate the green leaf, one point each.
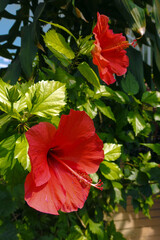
{"type": "Point", "coordinates": [154, 146]}
{"type": "Point", "coordinates": [118, 96]}
{"type": "Point", "coordinates": [112, 151]}
{"type": "Point", "coordinates": [12, 109]}
{"type": "Point", "coordinates": [7, 147]}
{"type": "Point", "coordinates": [110, 170]}
{"type": "Point", "coordinates": [46, 98]}
{"type": "Point", "coordinates": [28, 50]}
{"type": "Point", "coordinates": [89, 74]}
{"type": "Point", "coordinates": [61, 27]}
{"type": "Point", "coordinates": [86, 45]}
{"type": "Point", "coordinates": [96, 228]}
{"type": "Point", "coordinates": [152, 98]}
{"type": "Point", "coordinates": [90, 109]}
{"type": "Point", "coordinates": [106, 110]}
{"type": "Point", "coordinates": [55, 41]}
{"type": "Point", "coordinates": [137, 122]}
{"type": "Point", "coordinates": [21, 152]}
{"type": "Point", "coordinates": [4, 118]}
{"type": "Point", "coordinates": [129, 84]}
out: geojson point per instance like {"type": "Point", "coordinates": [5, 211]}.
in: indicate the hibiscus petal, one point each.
{"type": "Point", "coordinates": [47, 198]}
{"type": "Point", "coordinates": [77, 142]}
{"type": "Point", "coordinates": [40, 138]}
{"type": "Point", "coordinates": [109, 54]}
{"type": "Point", "coordinates": [76, 190]}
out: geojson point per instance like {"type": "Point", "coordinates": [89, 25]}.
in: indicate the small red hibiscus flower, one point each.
{"type": "Point", "coordinates": [61, 160]}
{"type": "Point", "coordinates": [109, 54]}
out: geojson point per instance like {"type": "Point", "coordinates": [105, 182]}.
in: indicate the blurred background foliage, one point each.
{"type": "Point", "coordinates": [126, 114]}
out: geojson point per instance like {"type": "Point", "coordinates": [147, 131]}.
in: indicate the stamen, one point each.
{"type": "Point", "coordinates": [118, 46]}
{"type": "Point", "coordinates": [134, 43]}
{"type": "Point", "coordinates": [82, 176]}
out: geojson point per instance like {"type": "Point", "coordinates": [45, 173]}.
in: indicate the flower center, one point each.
{"type": "Point", "coordinates": [83, 177]}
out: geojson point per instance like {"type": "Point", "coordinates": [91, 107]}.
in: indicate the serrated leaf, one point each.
{"type": "Point", "coordinates": [110, 170]}
{"type": "Point", "coordinates": [7, 147]}
{"type": "Point", "coordinates": [106, 110]}
{"type": "Point", "coordinates": [6, 106]}
{"type": "Point", "coordinates": [137, 122]}
{"type": "Point", "coordinates": [57, 42]}
{"type": "Point", "coordinates": [21, 152]}
{"type": "Point", "coordinates": [89, 74]}
{"type": "Point", "coordinates": [96, 228]}
{"type": "Point", "coordinates": [154, 146]}
{"type": "Point", "coordinates": [112, 151]}
{"type": "Point", "coordinates": [46, 98]}
{"type": "Point", "coordinates": [129, 84]}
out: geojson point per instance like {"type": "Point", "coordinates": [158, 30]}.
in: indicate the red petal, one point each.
{"type": "Point", "coordinates": [40, 138]}
{"type": "Point", "coordinates": [77, 141]}
{"type": "Point", "coordinates": [109, 54]}
{"type": "Point", "coordinates": [76, 191]}
{"type": "Point", "coordinates": [47, 198]}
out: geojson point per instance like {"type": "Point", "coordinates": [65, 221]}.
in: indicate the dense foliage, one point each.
{"type": "Point", "coordinates": [51, 73]}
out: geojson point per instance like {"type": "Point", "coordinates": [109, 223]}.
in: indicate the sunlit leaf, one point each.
{"type": "Point", "coordinates": [46, 98]}
{"type": "Point", "coordinates": [112, 151]}
{"type": "Point", "coordinates": [61, 27]}
{"type": "Point", "coordinates": [110, 170]}
{"type": "Point", "coordinates": [152, 98]}
{"type": "Point", "coordinates": [57, 42]}
{"type": "Point", "coordinates": [21, 152]}
{"type": "Point", "coordinates": [137, 122]}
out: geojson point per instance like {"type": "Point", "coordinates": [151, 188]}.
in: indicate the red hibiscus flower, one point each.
{"type": "Point", "coordinates": [61, 160]}
{"type": "Point", "coordinates": [109, 54]}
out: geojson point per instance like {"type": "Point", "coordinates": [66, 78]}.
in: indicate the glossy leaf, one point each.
{"type": "Point", "coordinates": [110, 170]}
{"type": "Point", "coordinates": [89, 74]}
{"type": "Point", "coordinates": [46, 98]}
{"type": "Point", "coordinates": [137, 122]}
{"type": "Point", "coordinates": [57, 42]}
{"type": "Point", "coordinates": [112, 151]}
{"type": "Point", "coordinates": [21, 152]}
{"type": "Point", "coordinates": [152, 98]}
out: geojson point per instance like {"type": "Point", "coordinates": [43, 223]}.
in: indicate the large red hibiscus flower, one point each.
{"type": "Point", "coordinates": [109, 54]}
{"type": "Point", "coordinates": [61, 160]}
